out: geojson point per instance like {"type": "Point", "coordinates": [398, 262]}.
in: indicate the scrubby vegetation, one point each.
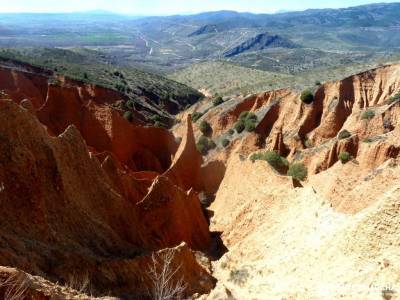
{"type": "Point", "coordinates": [217, 101]}
{"type": "Point", "coordinates": [248, 120]}
{"type": "Point", "coordinates": [307, 96]}
{"type": "Point", "coordinates": [394, 98]}
{"type": "Point", "coordinates": [231, 131]}
{"type": "Point", "coordinates": [368, 115]}
{"type": "Point", "coordinates": [344, 157]}
{"type": "Point", "coordinates": [205, 144]}
{"type": "Point", "coordinates": [298, 171]}
{"type": "Point", "coordinates": [272, 157]}
{"type": "Point", "coordinates": [196, 115]}
{"type": "Point", "coordinates": [344, 134]}
{"type": "Point", "coordinates": [205, 128]}
{"type": "Point", "coordinates": [225, 143]}
{"type": "Point", "coordinates": [128, 116]}
{"type": "Point", "coordinates": [240, 126]}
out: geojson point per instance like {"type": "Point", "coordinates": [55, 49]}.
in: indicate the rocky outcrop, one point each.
{"type": "Point", "coordinates": [185, 168]}
{"type": "Point", "coordinates": [206, 29]}
{"type": "Point", "coordinates": [260, 42]}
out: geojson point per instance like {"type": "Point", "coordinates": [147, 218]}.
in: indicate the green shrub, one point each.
{"type": "Point", "coordinates": [205, 128]}
{"type": "Point", "coordinates": [250, 125]}
{"type": "Point", "coordinates": [344, 157]}
{"type": "Point", "coordinates": [243, 115]}
{"type": "Point", "coordinates": [368, 140]}
{"type": "Point", "coordinates": [211, 144]}
{"type": "Point", "coordinates": [128, 116]}
{"type": "Point", "coordinates": [231, 131]}
{"type": "Point", "coordinates": [317, 83]}
{"type": "Point", "coordinates": [155, 118]}
{"type": "Point", "coordinates": [196, 115]}
{"type": "Point", "coordinates": [202, 145]}
{"type": "Point", "coordinates": [368, 115]}
{"type": "Point", "coordinates": [307, 97]}
{"type": "Point", "coordinates": [272, 157]}
{"type": "Point", "coordinates": [130, 104]}
{"type": "Point", "coordinates": [240, 126]}
{"type": "Point", "coordinates": [298, 171]}
{"type": "Point", "coordinates": [217, 101]}
{"type": "Point", "coordinates": [393, 99]}
{"type": "Point", "coordinates": [205, 144]}
{"type": "Point", "coordinates": [344, 134]}
{"type": "Point", "coordinates": [225, 143]}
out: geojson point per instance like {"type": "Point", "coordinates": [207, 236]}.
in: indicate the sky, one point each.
{"type": "Point", "coordinates": [169, 7]}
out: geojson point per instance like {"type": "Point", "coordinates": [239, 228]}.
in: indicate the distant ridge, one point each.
{"type": "Point", "coordinates": [260, 42]}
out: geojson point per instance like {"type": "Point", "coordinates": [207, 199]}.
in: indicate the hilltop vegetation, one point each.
{"type": "Point", "coordinates": [95, 67]}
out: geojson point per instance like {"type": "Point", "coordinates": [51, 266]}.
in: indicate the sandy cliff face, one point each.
{"type": "Point", "coordinates": [99, 213]}
{"type": "Point", "coordinates": [334, 235]}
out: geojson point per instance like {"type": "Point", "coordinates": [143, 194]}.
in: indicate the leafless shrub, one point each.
{"type": "Point", "coordinates": [163, 278]}
{"type": "Point", "coordinates": [15, 286]}
{"type": "Point", "coordinates": [239, 277]}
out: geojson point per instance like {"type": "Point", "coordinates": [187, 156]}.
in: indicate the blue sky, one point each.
{"type": "Point", "coordinates": [167, 7]}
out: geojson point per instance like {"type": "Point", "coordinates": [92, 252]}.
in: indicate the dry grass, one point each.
{"type": "Point", "coordinates": [15, 286]}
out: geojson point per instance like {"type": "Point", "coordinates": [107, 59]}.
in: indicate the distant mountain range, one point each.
{"type": "Point", "coordinates": [164, 43]}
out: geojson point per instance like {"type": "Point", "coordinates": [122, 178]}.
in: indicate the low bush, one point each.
{"type": "Point", "coordinates": [231, 131]}
{"type": "Point", "coordinates": [272, 157]}
{"type": "Point", "coordinates": [250, 125]}
{"type": "Point", "coordinates": [225, 143]}
{"type": "Point", "coordinates": [155, 118]}
{"type": "Point", "coordinates": [211, 144]}
{"type": "Point", "coordinates": [368, 115]}
{"type": "Point", "coordinates": [205, 128]}
{"type": "Point", "coordinates": [393, 99]}
{"type": "Point", "coordinates": [128, 116]}
{"type": "Point", "coordinates": [217, 101]}
{"type": "Point", "coordinates": [344, 134]}
{"type": "Point", "coordinates": [196, 115]}
{"type": "Point", "coordinates": [298, 171]}
{"type": "Point", "coordinates": [130, 104]}
{"type": "Point", "coordinates": [307, 97]}
{"type": "Point", "coordinates": [243, 115]}
{"type": "Point", "coordinates": [248, 119]}
{"type": "Point", "coordinates": [344, 157]}
{"type": "Point", "coordinates": [240, 126]}
{"type": "Point", "coordinates": [205, 144]}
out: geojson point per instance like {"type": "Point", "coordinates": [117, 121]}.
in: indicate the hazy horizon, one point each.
{"type": "Point", "coordinates": [173, 7]}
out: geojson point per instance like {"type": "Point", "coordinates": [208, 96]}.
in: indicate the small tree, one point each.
{"type": "Point", "coordinates": [240, 126]}
{"type": "Point", "coordinates": [205, 128]}
{"type": "Point", "coordinates": [307, 97]}
{"type": "Point", "coordinates": [344, 134]}
{"type": "Point", "coordinates": [344, 157]}
{"type": "Point", "coordinates": [297, 171]}
{"type": "Point", "coordinates": [217, 101]}
{"type": "Point", "coordinates": [231, 131]}
{"type": "Point", "coordinates": [250, 125]}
